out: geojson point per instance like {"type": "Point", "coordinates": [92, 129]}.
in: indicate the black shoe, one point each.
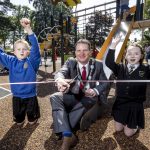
{"type": "Point", "coordinates": [69, 142]}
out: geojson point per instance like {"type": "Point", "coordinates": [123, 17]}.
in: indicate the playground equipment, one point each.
{"type": "Point", "coordinates": [62, 33]}
{"type": "Point", "coordinates": [94, 23]}
{"type": "Point", "coordinates": [49, 35]}
{"type": "Point", "coordinates": [71, 29]}
{"type": "Point", "coordinates": [124, 28]}
{"type": "Point", "coordinates": [57, 37]}
{"type": "Point", "coordinates": [52, 37]}
{"type": "Point", "coordinates": [67, 2]}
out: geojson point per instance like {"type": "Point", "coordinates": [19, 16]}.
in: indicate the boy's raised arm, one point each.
{"type": "Point", "coordinates": [34, 56]}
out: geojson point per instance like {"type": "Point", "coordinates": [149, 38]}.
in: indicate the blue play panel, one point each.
{"type": "Point", "coordinates": [4, 92]}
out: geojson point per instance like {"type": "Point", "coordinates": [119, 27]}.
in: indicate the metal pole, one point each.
{"type": "Point", "coordinates": [53, 54]}
{"type": "Point", "coordinates": [76, 34]}
{"type": "Point", "coordinates": [117, 8]}
{"type": "Point", "coordinates": [53, 42]}
{"type": "Point", "coordinates": [75, 27]}
{"type": "Point", "coordinates": [62, 36]}
{"type": "Point", "coordinates": [62, 39]}
{"type": "Point", "coordinates": [94, 36]}
{"type": "Point", "coordinates": [141, 9]}
{"type": "Point", "coordinates": [138, 10]}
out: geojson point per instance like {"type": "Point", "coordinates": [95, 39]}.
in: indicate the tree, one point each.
{"type": "Point", "coordinates": [47, 14]}
{"type": "Point", "coordinates": [6, 24]}
{"type": "Point", "coordinates": [10, 16]}
{"type": "Point", "coordinates": [18, 13]}
{"type": "Point", "coordinates": [5, 28]}
{"type": "Point", "coordinates": [98, 27]}
{"type": "Point", "coordinates": [146, 34]}
{"type": "Point", "coordinates": [147, 9]}
{"type": "Point", "coordinates": [5, 7]}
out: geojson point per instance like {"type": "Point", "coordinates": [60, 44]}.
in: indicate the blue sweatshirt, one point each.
{"type": "Point", "coordinates": [23, 70]}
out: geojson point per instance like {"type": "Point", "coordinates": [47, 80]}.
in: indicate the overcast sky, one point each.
{"type": "Point", "coordinates": [22, 2]}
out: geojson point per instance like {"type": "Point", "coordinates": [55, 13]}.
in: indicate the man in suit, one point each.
{"type": "Point", "coordinates": [75, 97]}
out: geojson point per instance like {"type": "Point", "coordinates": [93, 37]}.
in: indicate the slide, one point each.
{"type": "Point", "coordinates": [120, 28]}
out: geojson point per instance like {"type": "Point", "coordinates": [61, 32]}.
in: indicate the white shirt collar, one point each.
{"type": "Point", "coordinates": [136, 65]}
{"type": "Point", "coordinates": [81, 65]}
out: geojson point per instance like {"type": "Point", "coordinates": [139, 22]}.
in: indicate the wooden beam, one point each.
{"type": "Point", "coordinates": [141, 24]}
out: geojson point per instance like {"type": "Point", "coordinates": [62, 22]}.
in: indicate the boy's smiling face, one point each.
{"type": "Point", "coordinates": [21, 51]}
{"type": "Point", "coordinates": [133, 55]}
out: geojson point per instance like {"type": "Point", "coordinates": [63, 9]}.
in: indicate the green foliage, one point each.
{"type": "Point", "coordinates": [98, 27]}
{"type": "Point", "coordinates": [147, 9]}
{"type": "Point", "coordinates": [146, 37]}
{"type": "Point", "coordinates": [146, 34]}
{"type": "Point", "coordinates": [18, 13]}
{"type": "Point", "coordinates": [5, 6]}
{"type": "Point", "coordinates": [6, 24]}
{"type": "Point", "coordinates": [47, 14]}
{"type": "Point", "coordinates": [10, 16]}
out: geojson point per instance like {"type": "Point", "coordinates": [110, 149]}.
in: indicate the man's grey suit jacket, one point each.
{"type": "Point", "coordinates": [69, 71]}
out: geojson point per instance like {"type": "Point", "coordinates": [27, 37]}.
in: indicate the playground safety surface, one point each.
{"type": "Point", "coordinates": [100, 136]}
{"type": "Point", "coordinates": [4, 93]}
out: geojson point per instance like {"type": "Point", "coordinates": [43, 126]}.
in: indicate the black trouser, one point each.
{"type": "Point", "coordinates": [23, 106]}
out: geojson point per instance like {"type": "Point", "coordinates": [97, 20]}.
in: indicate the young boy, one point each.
{"type": "Point", "coordinates": [23, 69]}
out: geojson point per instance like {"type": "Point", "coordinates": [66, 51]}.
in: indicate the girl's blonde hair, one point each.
{"type": "Point", "coordinates": [23, 42]}
{"type": "Point", "coordinates": [137, 45]}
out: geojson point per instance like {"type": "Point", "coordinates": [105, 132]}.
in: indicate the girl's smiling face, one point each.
{"type": "Point", "coordinates": [133, 55]}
